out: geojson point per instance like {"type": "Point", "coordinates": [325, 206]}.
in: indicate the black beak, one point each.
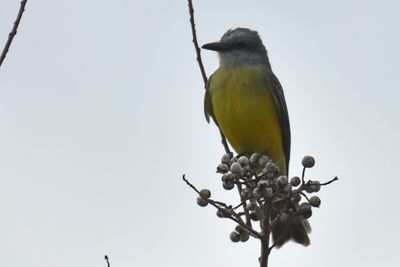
{"type": "Point", "coordinates": [217, 46]}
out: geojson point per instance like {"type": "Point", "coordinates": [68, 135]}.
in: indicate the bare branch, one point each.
{"type": "Point", "coordinates": [225, 209]}
{"type": "Point", "coordinates": [13, 32]}
{"type": "Point", "coordinates": [224, 142]}
{"type": "Point", "coordinates": [244, 203]}
{"type": "Point", "coordinates": [108, 262]}
{"type": "Point", "coordinates": [302, 175]}
{"type": "Point", "coordinates": [196, 44]}
{"type": "Point", "coordinates": [331, 181]}
{"type": "Point", "coordinates": [201, 66]}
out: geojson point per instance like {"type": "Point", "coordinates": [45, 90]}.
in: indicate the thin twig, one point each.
{"type": "Point", "coordinates": [300, 190]}
{"type": "Point", "coordinates": [224, 142]}
{"type": "Point", "coordinates": [189, 184]}
{"type": "Point", "coordinates": [240, 204]}
{"type": "Point", "coordinates": [13, 31]}
{"type": "Point", "coordinates": [236, 218]}
{"type": "Point", "coordinates": [305, 196]}
{"type": "Point", "coordinates": [108, 262]}
{"type": "Point", "coordinates": [201, 66]}
{"type": "Point", "coordinates": [244, 201]}
{"type": "Point", "coordinates": [196, 44]}
{"type": "Point", "coordinates": [331, 181]}
{"type": "Point", "coordinates": [302, 175]}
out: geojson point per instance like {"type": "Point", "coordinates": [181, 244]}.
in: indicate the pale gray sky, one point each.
{"type": "Point", "coordinates": [101, 114]}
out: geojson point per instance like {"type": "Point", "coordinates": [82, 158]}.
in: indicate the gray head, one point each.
{"type": "Point", "coordinates": [240, 47]}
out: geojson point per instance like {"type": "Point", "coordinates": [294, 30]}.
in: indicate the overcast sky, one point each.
{"type": "Point", "coordinates": [101, 112]}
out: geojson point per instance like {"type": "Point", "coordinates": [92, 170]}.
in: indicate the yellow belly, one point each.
{"type": "Point", "coordinates": [245, 110]}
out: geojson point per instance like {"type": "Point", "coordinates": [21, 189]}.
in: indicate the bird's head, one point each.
{"type": "Point", "coordinates": [240, 47]}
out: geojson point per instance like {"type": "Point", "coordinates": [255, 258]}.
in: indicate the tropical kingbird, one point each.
{"type": "Point", "coordinates": [246, 101]}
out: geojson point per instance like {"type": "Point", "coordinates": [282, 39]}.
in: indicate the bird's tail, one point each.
{"type": "Point", "coordinates": [292, 227]}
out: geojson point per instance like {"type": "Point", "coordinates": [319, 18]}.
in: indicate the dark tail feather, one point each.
{"type": "Point", "coordinates": [296, 229]}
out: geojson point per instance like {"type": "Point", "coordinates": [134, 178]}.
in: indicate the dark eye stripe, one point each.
{"type": "Point", "coordinates": [240, 45]}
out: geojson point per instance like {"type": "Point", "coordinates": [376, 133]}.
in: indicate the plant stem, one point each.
{"type": "Point", "coordinates": [264, 251]}
{"type": "Point", "coordinates": [266, 231]}
{"type": "Point", "coordinates": [13, 32]}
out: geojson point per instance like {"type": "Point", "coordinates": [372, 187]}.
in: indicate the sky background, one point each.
{"type": "Point", "coordinates": [101, 112]}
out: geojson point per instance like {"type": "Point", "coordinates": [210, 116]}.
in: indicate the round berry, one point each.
{"type": "Point", "coordinates": [244, 161]}
{"type": "Point", "coordinates": [315, 201]}
{"type": "Point", "coordinates": [236, 168]}
{"type": "Point", "coordinates": [295, 181]}
{"type": "Point", "coordinates": [234, 237]}
{"type": "Point", "coordinates": [308, 162]}
{"type": "Point", "coordinates": [222, 168]}
{"type": "Point", "coordinates": [201, 202]}
{"type": "Point", "coordinates": [226, 158]}
{"type": "Point", "coordinates": [205, 193]}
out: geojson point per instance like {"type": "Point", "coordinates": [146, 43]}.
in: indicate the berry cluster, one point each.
{"type": "Point", "coordinates": [265, 195]}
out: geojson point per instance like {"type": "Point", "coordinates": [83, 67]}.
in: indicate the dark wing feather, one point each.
{"type": "Point", "coordinates": [279, 96]}
{"type": "Point", "coordinates": [208, 110]}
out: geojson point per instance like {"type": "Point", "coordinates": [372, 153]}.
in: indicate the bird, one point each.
{"type": "Point", "coordinates": [246, 101]}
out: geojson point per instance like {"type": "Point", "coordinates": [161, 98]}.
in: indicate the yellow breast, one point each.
{"type": "Point", "coordinates": [245, 109]}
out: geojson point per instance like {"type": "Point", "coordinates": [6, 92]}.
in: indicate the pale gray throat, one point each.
{"type": "Point", "coordinates": [237, 59]}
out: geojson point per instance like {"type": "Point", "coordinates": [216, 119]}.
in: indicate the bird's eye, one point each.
{"type": "Point", "coordinates": [241, 45]}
